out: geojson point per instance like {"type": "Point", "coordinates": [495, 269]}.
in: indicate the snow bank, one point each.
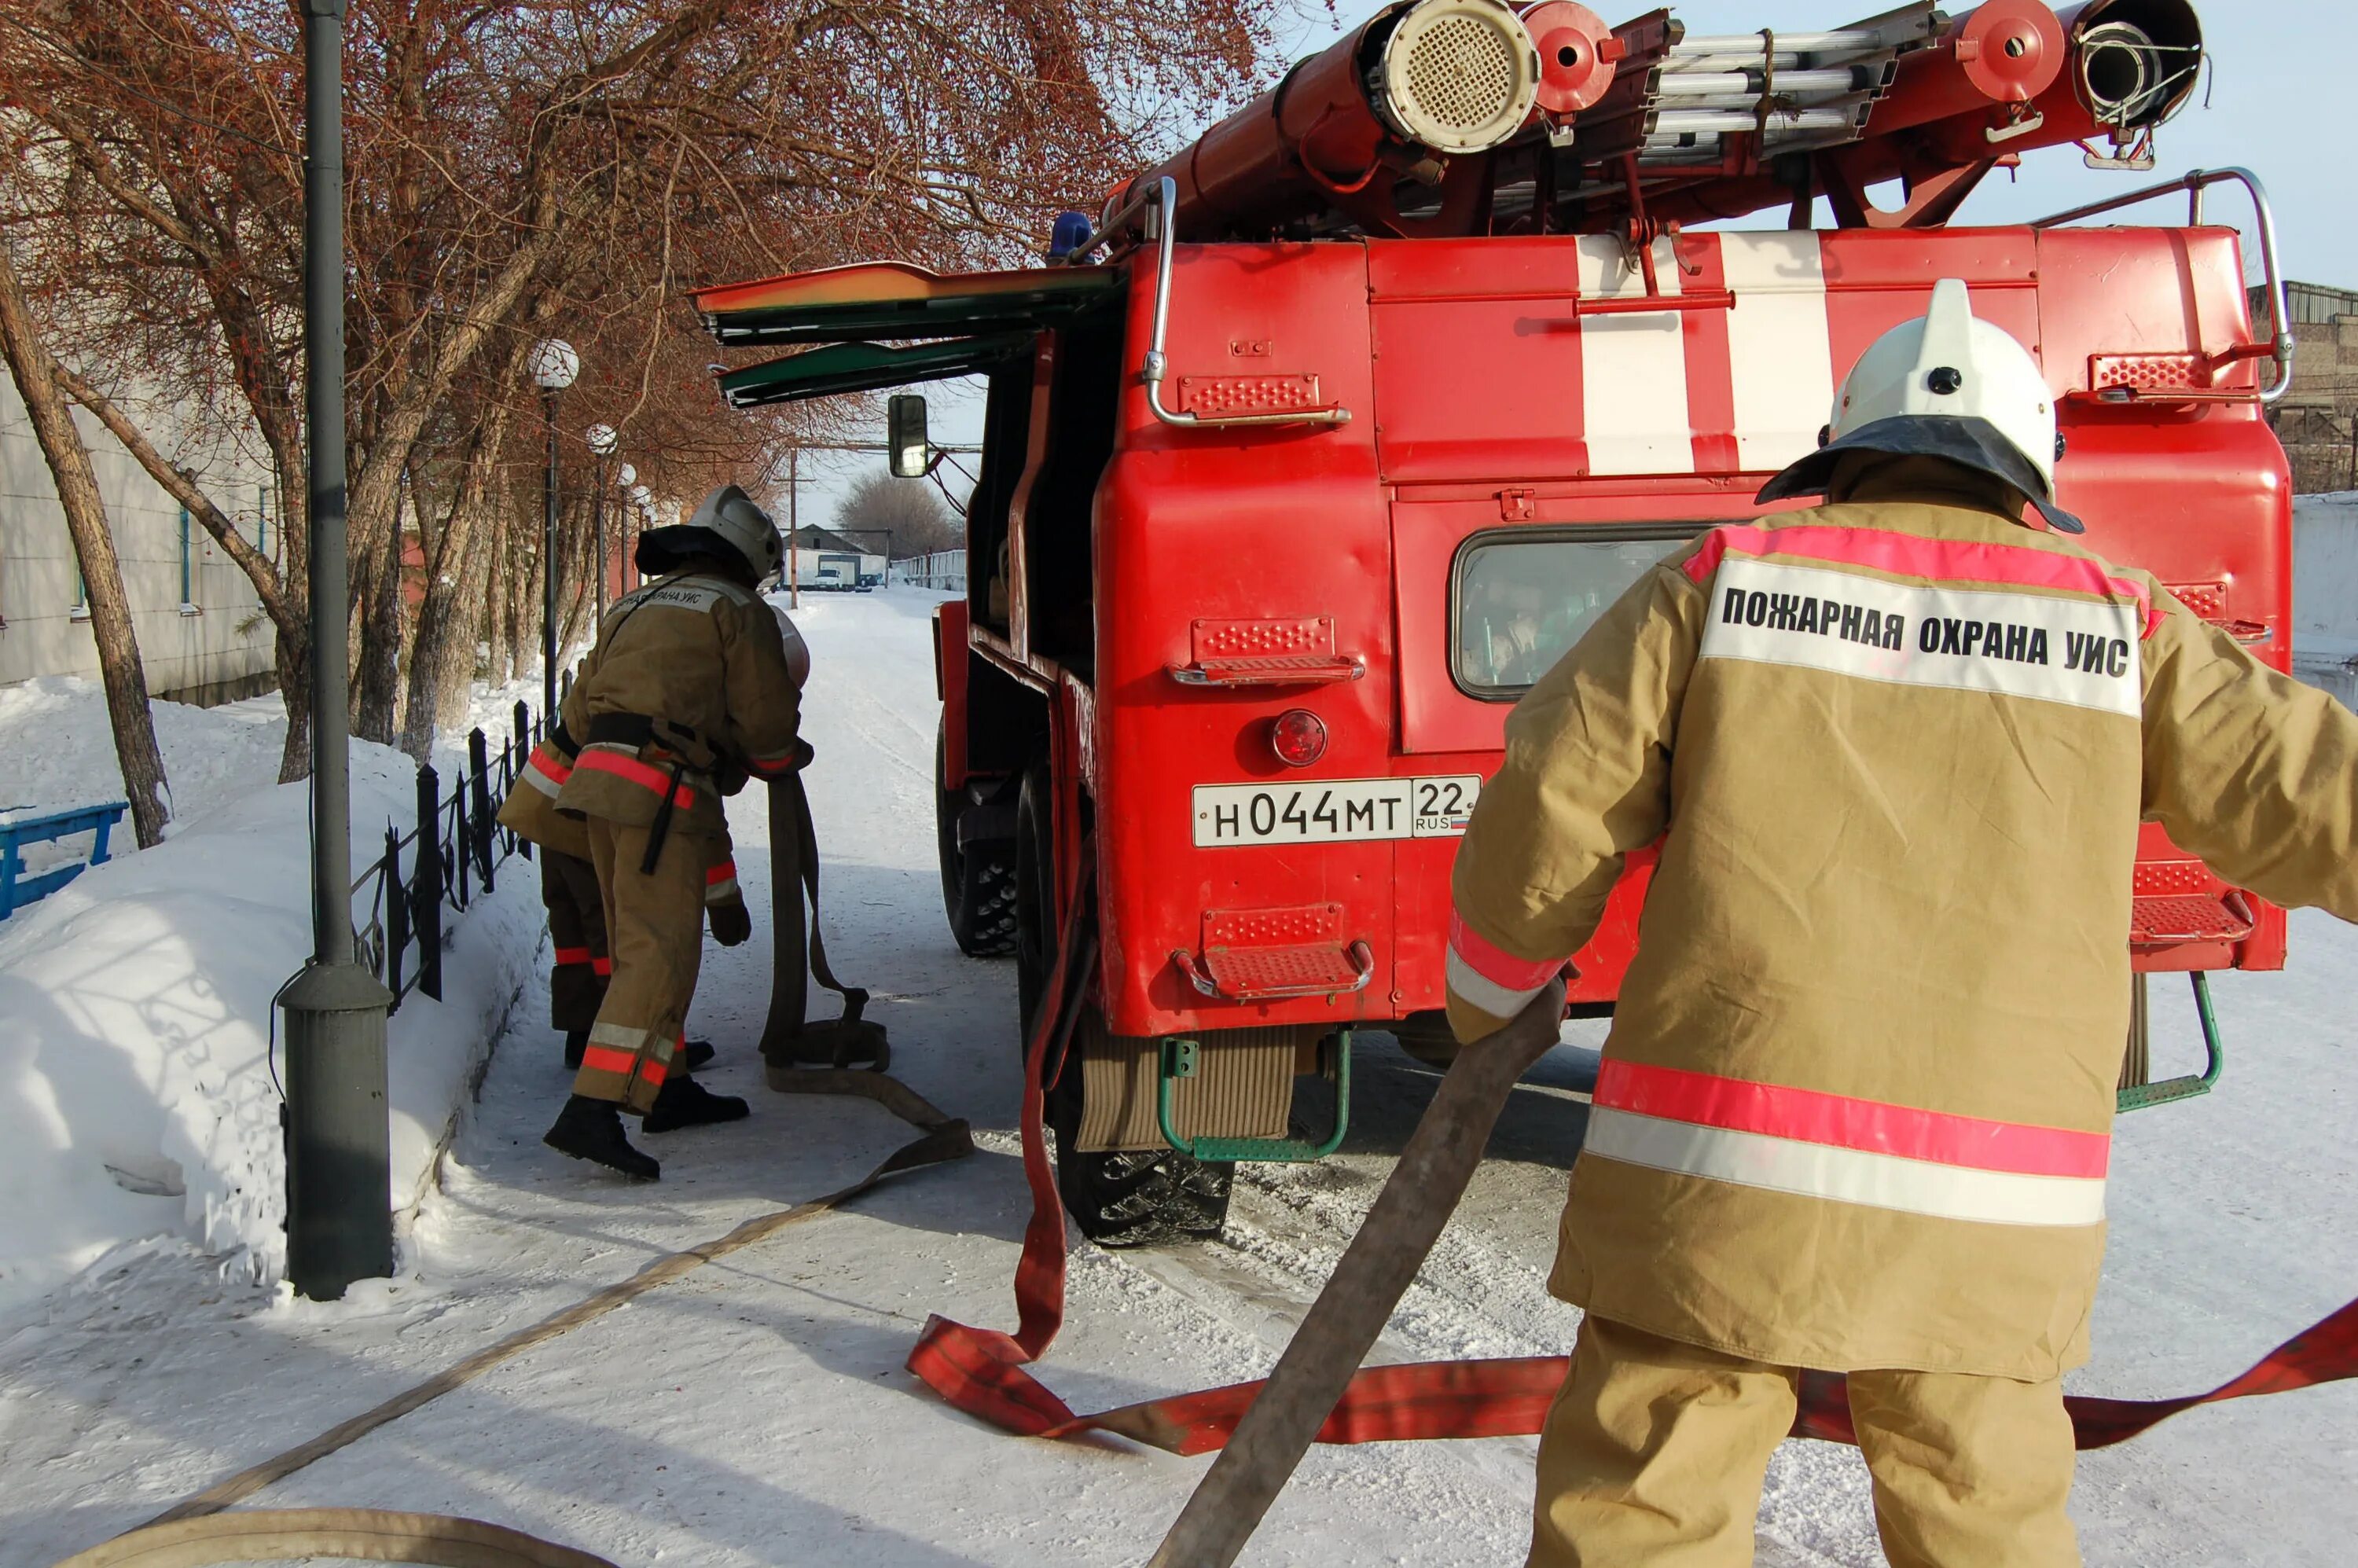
{"type": "Point", "coordinates": [135, 1009]}
{"type": "Point", "coordinates": [56, 752]}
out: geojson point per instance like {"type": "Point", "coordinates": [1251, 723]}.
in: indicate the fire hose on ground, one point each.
{"type": "Point", "coordinates": [1319, 1393]}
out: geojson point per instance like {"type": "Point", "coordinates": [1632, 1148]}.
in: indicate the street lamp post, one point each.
{"type": "Point", "coordinates": [643, 507]}
{"type": "Point", "coordinates": [338, 1139]}
{"type": "Point", "coordinates": [626, 479]}
{"type": "Point", "coordinates": [553, 366]}
{"type": "Point", "coordinates": [602, 441]}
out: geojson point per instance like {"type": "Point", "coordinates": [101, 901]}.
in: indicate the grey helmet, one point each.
{"type": "Point", "coordinates": [744, 528]}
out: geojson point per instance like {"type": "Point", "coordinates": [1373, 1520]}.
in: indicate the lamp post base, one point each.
{"type": "Point", "coordinates": [339, 1154]}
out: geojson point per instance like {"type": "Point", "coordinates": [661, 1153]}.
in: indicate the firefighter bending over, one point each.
{"type": "Point", "coordinates": [1855, 1108]}
{"type": "Point", "coordinates": [577, 915]}
{"type": "Point", "coordinates": [686, 693]}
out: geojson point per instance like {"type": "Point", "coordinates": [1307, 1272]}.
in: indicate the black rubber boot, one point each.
{"type": "Point", "coordinates": [699, 1054]}
{"type": "Point", "coordinates": [592, 1129]}
{"type": "Point", "coordinates": [683, 1102]}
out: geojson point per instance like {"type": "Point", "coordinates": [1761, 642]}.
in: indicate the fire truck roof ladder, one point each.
{"type": "Point", "coordinates": [1791, 91]}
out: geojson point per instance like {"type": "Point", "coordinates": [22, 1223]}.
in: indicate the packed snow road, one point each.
{"type": "Point", "coordinates": [756, 1412]}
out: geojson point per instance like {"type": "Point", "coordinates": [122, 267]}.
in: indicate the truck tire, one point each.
{"type": "Point", "coordinates": [1143, 1197]}
{"type": "Point", "coordinates": [1118, 1198]}
{"type": "Point", "coordinates": [977, 881]}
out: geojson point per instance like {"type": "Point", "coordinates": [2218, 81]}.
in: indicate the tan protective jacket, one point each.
{"type": "Point", "coordinates": [530, 813]}
{"type": "Point", "coordinates": [1856, 1103]}
{"type": "Point", "coordinates": [703, 659]}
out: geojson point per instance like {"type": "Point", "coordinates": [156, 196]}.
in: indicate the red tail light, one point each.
{"type": "Point", "coordinates": [1299, 738]}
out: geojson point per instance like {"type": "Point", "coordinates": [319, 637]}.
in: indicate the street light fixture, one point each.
{"type": "Point", "coordinates": [602, 440]}
{"type": "Point", "coordinates": [627, 479]}
{"type": "Point", "coordinates": [552, 366]}
{"type": "Point", "coordinates": [339, 1225]}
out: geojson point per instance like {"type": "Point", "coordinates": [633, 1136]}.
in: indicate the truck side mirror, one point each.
{"type": "Point", "coordinates": [910, 453]}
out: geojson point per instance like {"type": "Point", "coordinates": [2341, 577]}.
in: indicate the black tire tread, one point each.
{"type": "Point", "coordinates": [978, 881]}
{"type": "Point", "coordinates": [989, 910]}
{"type": "Point", "coordinates": [1144, 1198]}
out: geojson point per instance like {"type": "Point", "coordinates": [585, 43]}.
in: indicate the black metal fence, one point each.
{"type": "Point", "coordinates": [450, 857]}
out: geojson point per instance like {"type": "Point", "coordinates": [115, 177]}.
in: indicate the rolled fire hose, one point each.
{"type": "Point", "coordinates": [1376, 1270]}
{"type": "Point", "coordinates": [367, 1535]}
{"type": "Point", "coordinates": [792, 1043]}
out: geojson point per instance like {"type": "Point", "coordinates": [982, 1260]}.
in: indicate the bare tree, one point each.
{"type": "Point", "coordinates": [562, 168]}
{"type": "Point", "coordinates": [120, 673]}
{"type": "Point", "coordinates": [911, 511]}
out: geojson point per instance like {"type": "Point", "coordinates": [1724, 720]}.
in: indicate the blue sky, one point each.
{"type": "Point", "coordinates": [2277, 69]}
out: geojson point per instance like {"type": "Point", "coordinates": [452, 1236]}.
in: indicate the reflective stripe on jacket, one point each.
{"type": "Point", "coordinates": [1858, 1092]}
{"type": "Point", "coordinates": [530, 809]}
{"type": "Point", "coordinates": [530, 813]}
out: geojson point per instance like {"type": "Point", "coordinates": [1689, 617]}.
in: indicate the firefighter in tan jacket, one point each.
{"type": "Point", "coordinates": [687, 692]}
{"type": "Point", "coordinates": [569, 891]}
{"type": "Point", "coordinates": [1856, 1107]}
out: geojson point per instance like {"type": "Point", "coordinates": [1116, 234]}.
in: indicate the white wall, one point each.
{"type": "Point", "coordinates": [2325, 592]}
{"type": "Point", "coordinates": [221, 639]}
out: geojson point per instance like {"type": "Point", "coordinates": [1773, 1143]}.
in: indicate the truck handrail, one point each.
{"type": "Point", "coordinates": [2194, 182]}
{"type": "Point", "coordinates": [1159, 200]}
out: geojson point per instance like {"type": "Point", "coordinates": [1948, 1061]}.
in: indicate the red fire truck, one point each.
{"type": "Point", "coordinates": [1309, 453]}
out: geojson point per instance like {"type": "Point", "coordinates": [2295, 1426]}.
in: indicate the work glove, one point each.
{"type": "Point", "coordinates": [731, 922]}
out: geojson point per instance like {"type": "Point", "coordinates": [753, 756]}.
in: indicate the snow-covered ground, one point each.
{"type": "Point", "coordinates": [756, 1412]}
{"type": "Point", "coordinates": [135, 1013]}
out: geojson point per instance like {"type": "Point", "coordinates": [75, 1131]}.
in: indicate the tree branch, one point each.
{"type": "Point", "coordinates": [182, 485]}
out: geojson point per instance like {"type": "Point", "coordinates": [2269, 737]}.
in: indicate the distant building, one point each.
{"type": "Point", "coordinates": [2318, 419]}
{"type": "Point", "coordinates": [202, 635]}
{"type": "Point", "coordinates": [822, 559]}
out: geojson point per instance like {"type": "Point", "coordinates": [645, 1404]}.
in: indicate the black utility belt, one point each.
{"type": "Point", "coordinates": [630, 730]}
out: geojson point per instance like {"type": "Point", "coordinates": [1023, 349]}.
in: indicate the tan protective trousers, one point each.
{"type": "Point", "coordinates": [577, 929]}
{"type": "Point", "coordinates": [655, 930]}
{"type": "Point", "coordinates": [1655, 1451]}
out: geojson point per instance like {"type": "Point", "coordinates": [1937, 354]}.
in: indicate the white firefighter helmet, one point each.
{"type": "Point", "coordinates": [797, 651]}
{"type": "Point", "coordinates": [1949, 386]}
{"type": "Point", "coordinates": [744, 526]}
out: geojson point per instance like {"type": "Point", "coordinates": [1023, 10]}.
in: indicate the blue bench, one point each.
{"type": "Point", "coordinates": [17, 888]}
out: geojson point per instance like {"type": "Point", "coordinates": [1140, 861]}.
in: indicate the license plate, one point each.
{"type": "Point", "coordinates": [1335, 810]}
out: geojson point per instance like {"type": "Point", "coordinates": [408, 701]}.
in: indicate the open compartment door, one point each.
{"type": "Point", "coordinates": [867, 367]}
{"type": "Point", "coordinates": [891, 301]}
{"type": "Point", "coordinates": [882, 324]}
